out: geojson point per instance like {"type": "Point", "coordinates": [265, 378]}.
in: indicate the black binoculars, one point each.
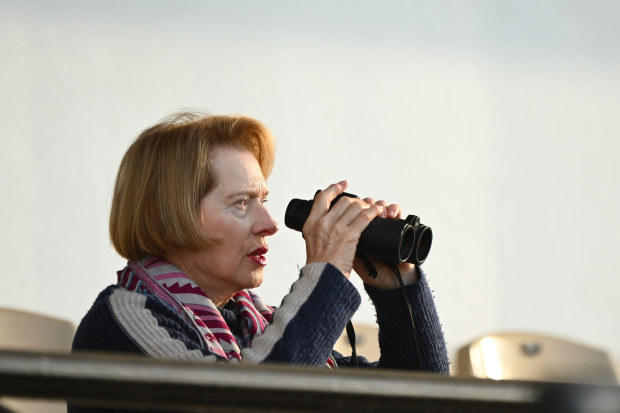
{"type": "Point", "coordinates": [390, 240]}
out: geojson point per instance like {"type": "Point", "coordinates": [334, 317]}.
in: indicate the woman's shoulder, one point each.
{"type": "Point", "coordinates": [128, 321]}
{"type": "Point", "coordinates": [115, 299]}
{"type": "Point", "coordinates": [99, 329]}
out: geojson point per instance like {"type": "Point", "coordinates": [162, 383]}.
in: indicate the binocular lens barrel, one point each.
{"type": "Point", "coordinates": [423, 241]}
{"type": "Point", "coordinates": [390, 240]}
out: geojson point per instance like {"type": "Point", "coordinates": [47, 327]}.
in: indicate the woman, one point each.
{"type": "Point", "coordinates": [189, 214]}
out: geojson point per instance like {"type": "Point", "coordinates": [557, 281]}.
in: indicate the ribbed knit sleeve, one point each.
{"type": "Point", "coordinates": [310, 319]}
{"type": "Point", "coordinates": [396, 338]}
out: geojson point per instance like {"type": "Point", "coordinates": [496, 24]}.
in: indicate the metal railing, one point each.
{"type": "Point", "coordinates": [144, 383]}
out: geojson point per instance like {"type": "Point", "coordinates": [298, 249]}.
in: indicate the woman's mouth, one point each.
{"type": "Point", "coordinates": [258, 256]}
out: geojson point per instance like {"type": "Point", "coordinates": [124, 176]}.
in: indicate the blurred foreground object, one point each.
{"type": "Point", "coordinates": [26, 331]}
{"type": "Point", "coordinates": [529, 356]}
{"type": "Point", "coordinates": [127, 381]}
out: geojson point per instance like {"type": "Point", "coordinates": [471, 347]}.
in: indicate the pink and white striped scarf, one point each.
{"type": "Point", "coordinates": [158, 277]}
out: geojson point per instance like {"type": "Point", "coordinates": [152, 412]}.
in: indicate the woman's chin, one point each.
{"type": "Point", "coordinates": [255, 279]}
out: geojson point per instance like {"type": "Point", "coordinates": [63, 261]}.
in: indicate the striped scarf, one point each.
{"type": "Point", "coordinates": [158, 277]}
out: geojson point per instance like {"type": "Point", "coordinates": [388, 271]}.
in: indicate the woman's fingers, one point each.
{"type": "Point", "coordinates": [391, 211]}
{"type": "Point", "coordinates": [362, 217]}
{"type": "Point", "coordinates": [332, 234]}
{"type": "Point", "coordinates": [323, 200]}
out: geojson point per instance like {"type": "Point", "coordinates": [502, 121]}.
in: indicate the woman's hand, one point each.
{"type": "Point", "coordinates": [332, 234]}
{"type": "Point", "coordinates": [386, 278]}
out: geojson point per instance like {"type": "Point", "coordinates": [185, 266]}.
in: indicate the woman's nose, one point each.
{"type": "Point", "coordinates": [265, 225]}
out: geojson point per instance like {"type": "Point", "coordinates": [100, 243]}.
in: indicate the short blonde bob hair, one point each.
{"type": "Point", "coordinates": [167, 171]}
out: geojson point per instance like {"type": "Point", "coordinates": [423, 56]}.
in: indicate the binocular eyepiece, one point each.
{"type": "Point", "coordinates": [390, 240]}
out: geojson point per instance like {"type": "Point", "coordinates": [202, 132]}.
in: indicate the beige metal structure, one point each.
{"type": "Point", "coordinates": [529, 356]}
{"type": "Point", "coordinates": [367, 342]}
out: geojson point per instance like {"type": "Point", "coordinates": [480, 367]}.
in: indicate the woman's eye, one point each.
{"type": "Point", "coordinates": [242, 203]}
{"type": "Point", "coordinates": [263, 200]}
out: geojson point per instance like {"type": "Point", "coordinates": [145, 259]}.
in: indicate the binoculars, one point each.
{"type": "Point", "coordinates": [390, 240]}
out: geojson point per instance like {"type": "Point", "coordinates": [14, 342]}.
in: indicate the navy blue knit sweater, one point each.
{"type": "Point", "coordinates": [303, 330]}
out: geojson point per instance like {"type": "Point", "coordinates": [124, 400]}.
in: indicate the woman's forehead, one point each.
{"type": "Point", "coordinates": [238, 171]}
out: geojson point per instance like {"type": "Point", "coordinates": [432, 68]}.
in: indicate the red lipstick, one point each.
{"type": "Point", "coordinates": [258, 255]}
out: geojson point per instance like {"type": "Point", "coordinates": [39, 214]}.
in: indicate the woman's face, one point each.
{"type": "Point", "coordinates": [234, 215]}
